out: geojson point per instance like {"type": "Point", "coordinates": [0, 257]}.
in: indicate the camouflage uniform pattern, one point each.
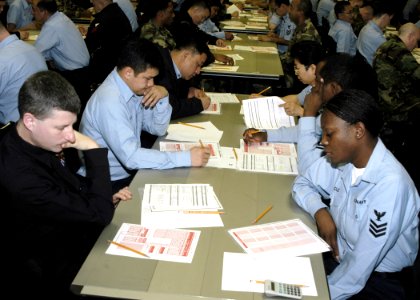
{"type": "Point", "coordinates": [302, 33]}
{"type": "Point", "coordinates": [398, 79]}
{"type": "Point", "coordinates": [158, 35]}
{"type": "Point", "coordinates": [358, 21]}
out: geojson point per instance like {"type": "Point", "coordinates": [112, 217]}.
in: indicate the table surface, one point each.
{"type": "Point", "coordinates": [244, 195]}
{"type": "Point", "coordinates": [254, 65]}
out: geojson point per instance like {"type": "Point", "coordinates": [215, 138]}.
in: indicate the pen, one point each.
{"type": "Point", "coordinates": [264, 90]}
{"type": "Point", "coordinates": [208, 212]}
{"type": "Point", "coordinates": [236, 154]}
{"type": "Point", "coordinates": [186, 124]}
{"type": "Point", "coordinates": [128, 248]}
{"type": "Point", "coordinates": [262, 214]}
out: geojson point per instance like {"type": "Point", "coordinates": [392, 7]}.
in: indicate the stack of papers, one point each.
{"type": "Point", "coordinates": [266, 113]}
{"type": "Point", "coordinates": [186, 146]}
{"type": "Point", "coordinates": [223, 97]}
{"type": "Point", "coordinates": [175, 245]}
{"type": "Point", "coordinates": [194, 132]}
{"type": "Point", "coordinates": [180, 206]}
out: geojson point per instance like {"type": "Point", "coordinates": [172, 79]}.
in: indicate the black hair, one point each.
{"type": "Point", "coordinates": [381, 7]}
{"type": "Point", "coordinates": [192, 42]}
{"type": "Point", "coordinates": [340, 6]}
{"type": "Point", "coordinates": [350, 72]}
{"type": "Point", "coordinates": [150, 8]}
{"type": "Point", "coordinates": [355, 106]}
{"type": "Point", "coordinates": [278, 3]}
{"type": "Point", "coordinates": [48, 5]}
{"type": "Point", "coordinates": [44, 91]}
{"type": "Point", "coordinates": [140, 55]}
{"type": "Point", "coordinates": [306, 7]}
{"type": "Point", "coordinates": [307, 52]}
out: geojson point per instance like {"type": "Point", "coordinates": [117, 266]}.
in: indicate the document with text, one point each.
{"type": "Point", "coordinates": [176, 245]}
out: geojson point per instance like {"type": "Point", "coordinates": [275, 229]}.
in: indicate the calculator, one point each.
{"type": "Point", "coordinates": [279, 289]}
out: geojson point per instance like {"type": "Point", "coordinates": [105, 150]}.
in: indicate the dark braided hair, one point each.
{"type": "Point", "coordinates": [357, 106]}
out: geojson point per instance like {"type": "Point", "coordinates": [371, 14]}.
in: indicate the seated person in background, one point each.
{"type": "Point", "coordinates": [19, 60]}
{"type": "Point", "coordinates": [52, 216]}
{"type": "Point", "coordinates": [371, 223]}
{"type": "Point", "coordinates": [361, 17]}
{"type": "Point", "coordinates": [282, 28]}
{"type": "Point", "coordinates": [192, 14]}
{"type": "Point", "coordinates": [105, 36]}
{"type": "Point", "coordinates": [306, 56]}
{"type": "Point", "coordinates": [210, 27]}
{"type": "Point", "coordinates": [158, 15]}
{"type": "Point", "coordinates": [179, 66]}
{"type": "Point", "coordinates": [19, 14]}
{"type": "Point", "coordinates": [59, 41]}
{"type": "Point", "coordinates": [334, 74]}
{"type": "Point", "coordinates": [126, 103]}
{"type": "Point", "coordinates": [371, 36]}
{"type": "Point", "coordinates": [323, 10]}
{"type": "Point", "coordinates": [399, 96]}
{"type": "Point", "coordinates": [341, 31]}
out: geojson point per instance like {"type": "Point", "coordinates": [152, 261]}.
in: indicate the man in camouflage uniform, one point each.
{"type": "Point", "coordinates": [160, 14]}
{"type": "Point", "coordinates": [399, 95]}
{"type": "Point", "coordinates": [299, 12]}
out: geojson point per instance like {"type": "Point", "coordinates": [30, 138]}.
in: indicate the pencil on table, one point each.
{"type": "Point", "coordinates": [236, 154]}
{"type": "Point", "coordinates": [128, 248]}
{"type": "Point", "coordinates": [264, 90]}
{"type": "Point", "coordinates": [192, 125]}
{"type": "Point", "coordinates": [262, 214]}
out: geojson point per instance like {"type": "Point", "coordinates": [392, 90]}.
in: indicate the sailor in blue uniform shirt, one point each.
{"type": "Point", "coordinates": [372, 221]}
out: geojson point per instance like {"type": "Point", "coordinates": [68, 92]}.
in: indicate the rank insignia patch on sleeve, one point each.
{"type": "Point", "coordinates": [376, 228]}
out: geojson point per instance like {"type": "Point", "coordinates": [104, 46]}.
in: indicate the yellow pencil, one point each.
{"type": "Point", "coordinates": [201, 144]}
{"type": "Point", "coordinates": [264, 90]}
{"type": "Point", "coordinates": [209, 212]}
{"type": "Point", "coordinates": [186, 124]}
{"type": "Point", "coordinates": [236, 154]}
{"type": "Point", "coordinates": [128, 248]}
{"type": "Point", "coordinates": [262, 214]}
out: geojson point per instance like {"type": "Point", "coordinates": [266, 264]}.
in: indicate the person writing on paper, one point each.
{"type": "Point", "coordinates": [306, 55]}
{"type": "Point", "coordinates": [51, 217]}
{"type": "Point", "coordinates": [372, 218]}
{"type": "Point", "coordinates": [128, 102]}
{"type": "Point", "coordinates": [334, 74]}
{"type": "Point", "coordinates": [209, 25]}
{"type": "Point", "coordinates": [181, 65]}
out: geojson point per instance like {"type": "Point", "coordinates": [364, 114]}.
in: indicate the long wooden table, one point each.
{"type": "Point", "coordinates": [243, 195]}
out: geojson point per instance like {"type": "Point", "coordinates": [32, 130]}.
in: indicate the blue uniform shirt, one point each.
{"type": "Point", "coordinates": [114, 118]}
{"type": "Point", "coordinates": [61, 42]}
{"type": "Point", "coordinates": [18, 61]}
{"type": "Point", "coordinates": [343, 35]}
{"type": "Point", "coordinates": [369, 40]}
{"type": "Point", "coordinates": [20, 13]}
{"type": "Point", "coordinates": [376, 217]}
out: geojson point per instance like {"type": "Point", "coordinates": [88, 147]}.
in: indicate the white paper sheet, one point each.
{"type": "Point", "coordinates": [244, 272]}
{"type": "Point", "coordinates": [177, 245]}
{"type": "Point", "coordinates": [207, 132]}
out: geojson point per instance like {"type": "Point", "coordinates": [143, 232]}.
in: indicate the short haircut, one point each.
{"type": "Point", "coordinates": [140, 55]}
{"type": "Point", "coordinates": [307, 52]}
{"type": "Point", "coordinates": [48, 5]}
{"type": "Point", "coordinates": [350, 72]}
{"type": "Point", "coordinates": [152, 7]}
{"type": "Point", "coordinates": [306, 7]}
{"type": "Point", "coordinates": [355, 106]}
{"type": "Point", "coordinates": [278, 3]}
{"type": "Point", "coordinates": [340, 6]}
{"type": "Point", "coordinates": [44, 91]}
{"type": "Point", "coordinates": [192, 42]}
{"type": "Point", "coordinates": [187, 4]}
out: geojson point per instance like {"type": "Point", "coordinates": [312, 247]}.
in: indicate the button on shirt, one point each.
{"type": "Point", "coordinates": [376, 217]}
{"type": "Point", "coordinates": [369, 40]}
{"type": "Point", "coordinates": [18, 61]}
{"type": "Point", "coordinates": [61, 42]}
{"type": "Point", "coordinates": [114, 117]}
